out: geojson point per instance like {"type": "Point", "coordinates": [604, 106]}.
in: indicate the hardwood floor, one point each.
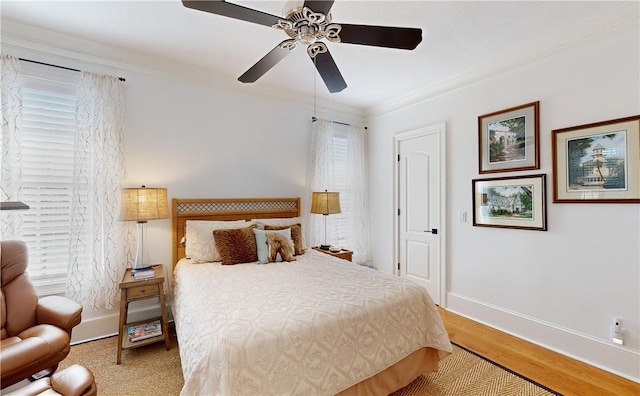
{"type": "Point", "coordinates": [558, 372]}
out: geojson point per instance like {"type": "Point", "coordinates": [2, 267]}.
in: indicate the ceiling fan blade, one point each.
{"type": "Point", "coordinates": [231, 10]}
{"type": "Point", "coordinates": [381, 36]}
{"type": "Point", "coordinates": [329, 72]}
{"type": "Point", "coordinates": [320, 6]}
{"type": "Point", "coordinates": [267, 62]}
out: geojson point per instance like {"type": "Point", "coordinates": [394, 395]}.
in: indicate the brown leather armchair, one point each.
{"type": "Point", "coordinates": [36, 333]}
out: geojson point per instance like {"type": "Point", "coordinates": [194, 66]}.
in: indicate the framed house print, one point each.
{"type": "Point", "coordinates": [508, 139]}
{"type": "Point", "coordinates": [597, 163]}
{"type": "Point", "coordinates": [510, 202]}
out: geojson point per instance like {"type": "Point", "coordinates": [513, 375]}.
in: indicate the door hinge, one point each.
{"type": "Point", "coordinates": [398, 211]}
{"type": "Point", "coordinates": [398, 157]}
{"type": "Point", "coordinates": [398, 267]}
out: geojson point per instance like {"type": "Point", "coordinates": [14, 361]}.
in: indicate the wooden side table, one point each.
{"type": "Point", "coordinates": [135, 290]}
{"type": "Point", "coordinates": [343, 254]}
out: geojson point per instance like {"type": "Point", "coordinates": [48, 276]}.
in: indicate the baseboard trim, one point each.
{"type": "Point", "coordinates": [621, 361]}
{"type": "Point", "coordinates": [99, 327]}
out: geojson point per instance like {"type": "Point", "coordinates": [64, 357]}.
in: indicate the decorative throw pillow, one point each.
{"type": "Point", "coordinates": [296, 236]}
{"type": "Point", "coordinates": [275, 245]}
{"type": "Point", "coordinates": [199, 238]}
{"type": "Point", "coordinates": [236, 245]}
{"type": "Point", "coordinates": [280, 222]}
{"type": "Point", "coordinates": [279, 247]}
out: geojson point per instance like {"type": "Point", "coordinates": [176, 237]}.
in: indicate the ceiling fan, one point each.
{"type": "Point", "coordinates": [308, 25]}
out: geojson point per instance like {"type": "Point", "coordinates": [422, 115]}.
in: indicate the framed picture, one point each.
{"type": "Point", "coordinates": [597, 163]}
{"type": "Point", "coordinates": [510, 202]}
{"type": "Point", "coordinates": [508, 139]}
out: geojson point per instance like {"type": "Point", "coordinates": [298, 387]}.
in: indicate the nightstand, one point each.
{"type": "Point", "coordinates": [136, 290]}
{"type": "Point", "coordinates": [343, 254]}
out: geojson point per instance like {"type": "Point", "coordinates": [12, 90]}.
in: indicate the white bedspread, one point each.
{"type": "Point", "coordinates": [315, 326]}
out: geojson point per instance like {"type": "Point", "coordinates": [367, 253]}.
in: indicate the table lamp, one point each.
{"type": "Point", "coordinates": [141, 205]}
{"type": "Point", "coordinates": [14, 205]}
{"type": "Point", "coordinates": [325, 203]}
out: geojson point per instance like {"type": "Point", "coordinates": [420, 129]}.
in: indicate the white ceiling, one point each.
{"type": "Point", "coordinates": [459, 38]}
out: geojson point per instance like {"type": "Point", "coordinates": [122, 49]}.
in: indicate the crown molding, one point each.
{"type": "Point", "coordinates": [622, 18]}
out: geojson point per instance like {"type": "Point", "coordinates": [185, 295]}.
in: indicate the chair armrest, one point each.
{"type": "Point", "coordinates": [75, 380]}
{"type": "Point", "coordinates": [59, 311]}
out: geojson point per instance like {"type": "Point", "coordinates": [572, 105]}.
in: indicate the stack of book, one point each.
{"type": "Point", "coordinates": [143, 273]}
{"type": "Point", "coordinates": [144, 331]}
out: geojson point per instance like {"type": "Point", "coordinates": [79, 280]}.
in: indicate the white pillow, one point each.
{"type": "Point", "coordinates": [201, 248]}
{"type": "Point", "coordinates": [285, 221]}
{"type": "Point", "coordinates": [282, 222]}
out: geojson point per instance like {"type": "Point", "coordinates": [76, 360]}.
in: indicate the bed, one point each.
{"type": "Point", "coordinates": [314, 326]}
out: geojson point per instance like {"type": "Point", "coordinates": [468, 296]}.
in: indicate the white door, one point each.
{"type": "Point", "coordinates": [420, 201]}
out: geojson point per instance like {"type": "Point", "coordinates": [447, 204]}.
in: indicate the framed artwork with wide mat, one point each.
{"type": "Point", "coordinates": [508, 139]}
{"type": "Point", "coordinates": [597, 163]}
{"type": "Point", "coordinates": [510, 202]}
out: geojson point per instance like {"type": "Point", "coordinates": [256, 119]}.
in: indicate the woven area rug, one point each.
{"type": "Point", "coordinates": [465, 373]}
{"type": "Point", "coordinates": [152, 370]}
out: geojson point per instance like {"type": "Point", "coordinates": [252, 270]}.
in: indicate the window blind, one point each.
{"type": "Point", "coordinates": [340, 180]}
{"type": "Point", "coordinates": [49, 102]}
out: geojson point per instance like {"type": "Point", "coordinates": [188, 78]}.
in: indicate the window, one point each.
{"type": "Point", "coordinates": [49, 103]}
{"type": "Point", "coordinates": [340, 183]}
{"type": "Point", "coordinates": [338, 162]}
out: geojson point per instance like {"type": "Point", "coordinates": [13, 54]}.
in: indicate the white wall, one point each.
{"type": "Point", "coordinates": [559, 288]}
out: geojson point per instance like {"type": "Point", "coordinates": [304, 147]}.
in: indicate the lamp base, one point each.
{"type": "Point", "coordinates": [142, 253]}
{"type": "Point", "coordinates": [325, 247]}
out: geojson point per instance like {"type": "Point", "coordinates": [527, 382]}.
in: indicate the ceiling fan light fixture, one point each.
{"type": "Point", "coordinates": [307, 34]}
{"type": "Point", "coordinates": [304, 25]}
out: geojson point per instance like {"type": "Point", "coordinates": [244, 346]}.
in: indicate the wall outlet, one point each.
{"type": "Point", "coordinates": [617, 336]}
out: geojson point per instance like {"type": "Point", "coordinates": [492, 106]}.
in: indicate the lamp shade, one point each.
{"type": "Point", "coordinates": [15, 205]}
{"type": "Point", "coordinates": [325, 202]}
{"type": "Point", "coordinates": [142, 204]}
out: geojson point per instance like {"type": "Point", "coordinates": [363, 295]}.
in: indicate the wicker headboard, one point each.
{"type": "Point", "coordinates": [225, 209]}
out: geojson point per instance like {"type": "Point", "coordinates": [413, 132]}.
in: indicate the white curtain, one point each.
{"type": "Point", "coordinates": [10, 151]}
{"type": "Point", "coordinates": [320, 177]}
{"type": "Point", "coordinates": [357, 189]}
{"type": "Point", "coordinates": [323, 173]}
{"type": "Point", "coordinates": [99, 248]}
